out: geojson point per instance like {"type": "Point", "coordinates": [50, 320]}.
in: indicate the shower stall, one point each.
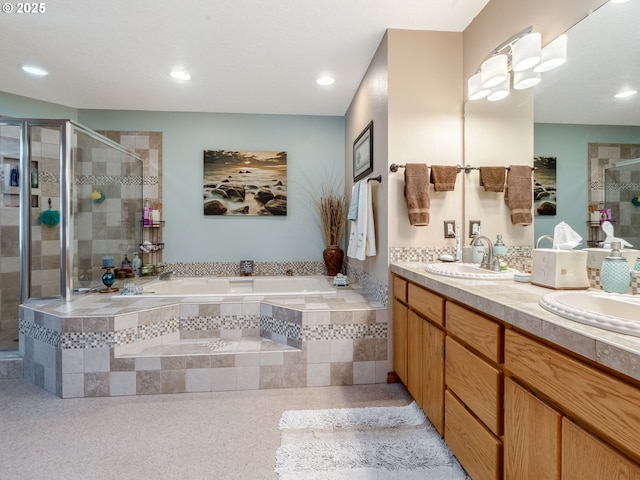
{"type": "Point", "coordinates": [622, 196]}
{"type": "Point", "coordinates": [68, 197]}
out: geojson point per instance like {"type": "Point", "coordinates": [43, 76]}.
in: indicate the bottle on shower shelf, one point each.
{"type": "Point", "coordinates": [136, 263]}
{"type": "Point", "coordinates": [146, 216]}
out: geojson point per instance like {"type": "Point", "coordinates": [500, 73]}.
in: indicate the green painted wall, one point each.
{"type": "Point", "coordinates": [568, 143]}
{"type": "Point", "coordinates": [314, 145]}
{"type": "Point", "coordinates": [16, 106]}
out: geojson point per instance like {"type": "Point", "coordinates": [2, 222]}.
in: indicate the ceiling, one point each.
{"type": "Point", "coordinates": [244, 56]}
{"type": "Point", "coordinates": [603, 57]}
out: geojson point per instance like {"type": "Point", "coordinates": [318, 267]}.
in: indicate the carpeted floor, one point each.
{"type": "Point", "coordinates": [223, 435]}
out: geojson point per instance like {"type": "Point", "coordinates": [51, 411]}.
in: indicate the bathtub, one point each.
{"type": "Point", "coordinates": [236, 286]}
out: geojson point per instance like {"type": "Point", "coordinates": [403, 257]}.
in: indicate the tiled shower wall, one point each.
{"type": "Point", "coordinates": [148, 145]}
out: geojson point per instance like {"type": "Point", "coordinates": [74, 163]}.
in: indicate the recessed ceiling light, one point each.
{"type": "Point", "coordinates": [180, 75]}
{"type": "Point", "coordinates": [626, 93]}
{"type": "Point", "coordinates": [325, 81]}
{"type": "Point", "coordinates": [619, 1]}
{"type": "Point", "coordinates": [35, 70]}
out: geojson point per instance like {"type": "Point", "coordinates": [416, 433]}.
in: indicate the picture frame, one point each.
{"type": "Point", "coordinates": [363, 153]}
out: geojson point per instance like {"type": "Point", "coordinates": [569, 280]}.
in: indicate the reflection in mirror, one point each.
{"type": "Point", "coordinates": [578, 121]}
{"type": "Point", "coordinates": [497, 134]}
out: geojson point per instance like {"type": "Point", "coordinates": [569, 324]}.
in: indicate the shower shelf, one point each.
{"type": "Point", "coordinates": [151, 238]}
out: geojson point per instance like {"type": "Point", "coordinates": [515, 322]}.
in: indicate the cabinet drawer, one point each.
{"type": "Point", "coordinates": [400, 288]}
{"type": "Point", "coordinates": [584, 457]}
{"type": "Point", "coordinates": [426, 303]}
{"type": "Point", "coordinates": [477, 383]}
{"type": "Point", "coordinates": [479, 452]}
{"type": "Point", "coordinates": [610, 405]}
{"type": "Point", "coordinates": [477, 331]}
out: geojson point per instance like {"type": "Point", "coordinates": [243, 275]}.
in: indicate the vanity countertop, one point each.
{"type": "Point", "coordinates": [516, 304]}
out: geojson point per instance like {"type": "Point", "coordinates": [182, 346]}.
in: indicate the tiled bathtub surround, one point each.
{"type": "Point", "coordinates": [370, 286]}
{"type": "Point", "coordinates": [99, 346]}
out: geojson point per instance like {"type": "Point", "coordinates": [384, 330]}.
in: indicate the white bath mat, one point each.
{"type": "Point", "coordinates": [363, 443]}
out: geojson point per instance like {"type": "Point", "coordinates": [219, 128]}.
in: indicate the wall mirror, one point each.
{"type": "Point", "coordinates": [571, 111]}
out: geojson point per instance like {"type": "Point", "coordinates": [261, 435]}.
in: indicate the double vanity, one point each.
{"type": "Point", "coordinates": [518, 389]}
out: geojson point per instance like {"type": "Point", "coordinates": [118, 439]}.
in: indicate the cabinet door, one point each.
{"type": "Point", "coordinates": [400, 340]}
{"type": "Point", "coordinates": [414, 356]}
{"type": "Point", "coordinates": [433, 375]}
{"type": "Point", "coordinates": [584, 457]}
{"type": "Point", "coordinates": [531, 436]}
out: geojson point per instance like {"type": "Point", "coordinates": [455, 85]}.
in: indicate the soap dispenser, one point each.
{"type": "Point", "coordinates": [499, 248]}
{"type": "Point", "coordinates": [615, 276]}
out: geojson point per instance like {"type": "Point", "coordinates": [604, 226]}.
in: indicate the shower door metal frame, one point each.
{"type": "Point", "coordinates": [66, 171]}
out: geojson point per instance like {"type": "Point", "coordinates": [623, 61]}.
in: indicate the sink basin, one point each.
{"type": "Point", "coordinates": [469, 271]}
{"type": "Point", "coordinates": [610, 311]}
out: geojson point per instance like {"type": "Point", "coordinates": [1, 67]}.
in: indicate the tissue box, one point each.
{"type": "Point", "coordinates": [559, 269]}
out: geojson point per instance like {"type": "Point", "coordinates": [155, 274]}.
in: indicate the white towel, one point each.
{"type": "Point", "coordinates": [355, 198]}
{"type": "Point", "coordinates": [362, 239]}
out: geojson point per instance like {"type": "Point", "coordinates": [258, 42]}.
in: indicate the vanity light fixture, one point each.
{"type": "Point", "coordinates": [521, 55]}
{"type": "Point", "coordinates": [626, 93]}
{"type": "Point", "coordinates": [325, 81]}
{"type": "Point", "coordinates": [526, 52]}
{"type": "Point", "coordinates": [180, 75]}
{"type": "Point", "coordinates": [500, 91]}
{"type": "Point", "coordinates": [526, 79]}
{"type": "Point", "coordinates": [35, 70]}
{"type": "Point", "coordinates": [553, 55]}
{"type": "Point", "coordinates": [475, 88]}
{"type": "Point", "coordinates": [494, 70]}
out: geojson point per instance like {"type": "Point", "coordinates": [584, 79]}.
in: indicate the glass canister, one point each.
{"type": "Point", "coordinates": [636, 266]}
{"type": "Point", "coordinates": [499, 248]}
{"type": "Point", "coordinates": [615, 276]}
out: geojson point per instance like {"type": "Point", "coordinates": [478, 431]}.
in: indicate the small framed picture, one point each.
{"type": "Point", "coordinates": [363, 153]}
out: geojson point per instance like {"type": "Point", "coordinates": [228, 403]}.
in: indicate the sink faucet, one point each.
{"type": "Point", "coordinates": [488, 262]}
{"type": "Point", "coordinates": [166, 275]}
{"type": "Point", "coordinates": [544, 237]}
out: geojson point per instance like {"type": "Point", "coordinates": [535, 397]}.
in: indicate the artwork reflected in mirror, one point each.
{"type": "Point", "coordinates": [244, 183]}
{"type": "Point", "coordinates": [544, 181]}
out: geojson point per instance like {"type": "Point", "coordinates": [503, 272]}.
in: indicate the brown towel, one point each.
{"type": "Point", "coordinates": [492, 178]}
{"type": "Point", "coordinates": [443, 177]}
{"type": "Point", "coordinates": [416, 193]}
{"type": "Point", "coordinates": [519, 194]}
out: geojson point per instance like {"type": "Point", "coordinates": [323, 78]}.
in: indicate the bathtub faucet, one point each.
{"type": "Point", "coordinates": [166, 275]}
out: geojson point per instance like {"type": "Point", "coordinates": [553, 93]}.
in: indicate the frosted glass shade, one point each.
{"type": "Point", "coordinates": [526, 79]}
{"type": "Point", "coordinates": [475, 89]}
{"type": "Point", "coordinates": [526, 52]}
{"type": "Point", "coordinates": [494, 71]}
{"type": "Point", "coordinates": [553, 55]}
{"type": "Point", "coordinates": [500, 91]}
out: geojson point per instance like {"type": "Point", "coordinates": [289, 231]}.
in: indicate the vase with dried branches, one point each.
{"type": "Point", "coordinates": [331, 206]}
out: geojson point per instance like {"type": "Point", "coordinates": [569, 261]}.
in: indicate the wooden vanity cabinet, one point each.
{"type": "Point", "coordinates": [474, 386]}
{"type": "Point", "coordinates": [419, 347]}
{"type": "Point", "coordinates": [400, 328]}
{"type": "Point", "coordinates": [605, 445]}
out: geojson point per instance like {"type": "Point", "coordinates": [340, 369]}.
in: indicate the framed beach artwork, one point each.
{"type": "Point", "coordinates": [544, 185]}
{"type": "Point", "coordinates": [363, 153]}
{"type": "Point", "coordinates": [244, 183]}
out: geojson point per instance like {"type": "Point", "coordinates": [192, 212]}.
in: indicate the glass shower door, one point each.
{"type": "Point", "coordinates": [9, 234]}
